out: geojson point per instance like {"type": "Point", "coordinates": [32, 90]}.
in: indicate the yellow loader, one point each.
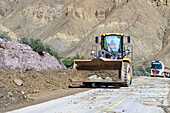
{"type": "Point", "coordinates": [109, 66]}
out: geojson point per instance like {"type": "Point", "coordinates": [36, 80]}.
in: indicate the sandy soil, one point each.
{"type": "Point", "coordinates": [22, 88]}
{"type": "Point", "coordinates": [16, 86]}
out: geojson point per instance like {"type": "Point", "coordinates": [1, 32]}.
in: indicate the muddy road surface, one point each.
{"type": "Point", "coordinates": [145, 95]}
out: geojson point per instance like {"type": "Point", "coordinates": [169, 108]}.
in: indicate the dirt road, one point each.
{"type": "Point", "coordinates": [145, 95]}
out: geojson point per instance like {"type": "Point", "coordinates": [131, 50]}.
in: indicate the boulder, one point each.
{"type": "Point", "coordinates": [18, 82]}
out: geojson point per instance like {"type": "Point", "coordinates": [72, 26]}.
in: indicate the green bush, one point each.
{"type": "Point", "coordinates": [167, 67]}
{"type": "Point", "coordinates": [144, 64]}
{"type": "Point", "coordinates": [36, 45]}
{"type": "Point", "coordinates": [39, 47]}
{"type": "Point", "coordinates": [78, 57]}
{"type": "Point", "coordinates": [5, 36]}
{"type": "Point", "coordinates": [24, 40]}
{"type": "Point", "coordinates": [133, 70]}
{"type": "Point", "coordinates": [141, 69]}
{"type": "Point", "coordinates": [148, 69]}
{"type": "Point", "coordinates": [146, 73]}
{"type": "Point", "coordinates": [69, 61]}
{"type": "Point", "coordinates": [5, 32]}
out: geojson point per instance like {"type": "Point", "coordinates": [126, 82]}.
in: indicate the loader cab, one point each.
{"type": "Point", "coordinates": [112, 44]}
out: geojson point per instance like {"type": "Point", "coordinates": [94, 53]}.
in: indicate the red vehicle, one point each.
{"type": "Point", "coordinates": [166, 73]}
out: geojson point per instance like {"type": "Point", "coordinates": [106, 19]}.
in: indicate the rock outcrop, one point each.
{"type": "Point", "coordinates": [22, 57]}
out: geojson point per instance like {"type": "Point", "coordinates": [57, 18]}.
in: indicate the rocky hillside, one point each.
{"type": "Point", "coordinates": [20, 56]}
{"type": "Point", "coordinates": [164, 54]}
{"type": "Point", "coordinates": [71, 25]}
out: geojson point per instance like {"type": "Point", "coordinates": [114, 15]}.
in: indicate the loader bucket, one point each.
{"type": "Point", "coordinates": [97, 69]}
{"type": "Point", "coordinates": [98, 64]}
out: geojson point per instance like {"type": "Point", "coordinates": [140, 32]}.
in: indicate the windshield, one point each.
{"type": "Point", "coordinates": [112, 43]}
{"type": "Point", "coordinates": [156, 66]}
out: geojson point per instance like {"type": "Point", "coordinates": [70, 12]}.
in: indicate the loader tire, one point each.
{"type": "Point", "coordinates": [127, 74]}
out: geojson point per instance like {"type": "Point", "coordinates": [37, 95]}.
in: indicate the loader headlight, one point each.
{"type": "Point", "coordinates": [93, 52]}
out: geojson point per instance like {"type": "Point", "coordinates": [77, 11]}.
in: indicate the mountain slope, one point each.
{"type": "Point", "coordinates": [57, 23]}
{"type": "Point", "coordinates": [70, 26]}
{"type": "Point", "coordinates": [136, 19]}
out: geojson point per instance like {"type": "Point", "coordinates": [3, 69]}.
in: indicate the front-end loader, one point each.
{"type": "Point", "coordinates": [109, 66]}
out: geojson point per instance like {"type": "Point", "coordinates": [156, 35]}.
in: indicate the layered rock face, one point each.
{"type": "Point", "coordinates": [21, 56]}
{"type": "Point", "coordinates": [136, 19]}
{"type": "Point", "coordinates": [59, 23]}
{"type": "Point", "coordinates": [71, 25]}
{"type": "Point", "coordinates": [164, 54]}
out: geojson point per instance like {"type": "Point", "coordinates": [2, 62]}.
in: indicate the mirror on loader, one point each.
{"type": "Point", "coordinates": [128, 39]}
{"type": "Point", "coordinates": [97, 39]}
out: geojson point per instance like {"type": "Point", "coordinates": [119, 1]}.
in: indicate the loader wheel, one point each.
{"type": "Point", "coordinates": [127, 74]}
